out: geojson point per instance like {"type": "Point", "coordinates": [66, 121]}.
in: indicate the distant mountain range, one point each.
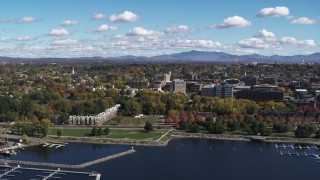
{"type": "Point", "coordinates": [184, 57]}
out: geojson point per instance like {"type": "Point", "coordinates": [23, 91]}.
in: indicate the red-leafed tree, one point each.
{"type": "Point", "coordinates": [199, 118]}
{"type": "Point", "coordinates": [191, 117]}
{"type": "Point", "coordinates": [176, 121]}
{"type": "Point", "coordinates": [184, 116]}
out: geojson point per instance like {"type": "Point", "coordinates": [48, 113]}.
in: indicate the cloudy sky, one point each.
{"type": "Point", "coordinates": [107, 28]}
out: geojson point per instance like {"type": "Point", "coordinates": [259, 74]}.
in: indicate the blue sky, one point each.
{"type": "Point", "coordinates": [77, 28]}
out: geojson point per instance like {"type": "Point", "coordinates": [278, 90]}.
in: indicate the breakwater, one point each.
{"type": "Point", "coordinates": [71, 166]}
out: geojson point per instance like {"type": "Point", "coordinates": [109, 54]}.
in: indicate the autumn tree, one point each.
{"type": "Point", "coordinates": [45, 127]}
{"type": "Point", "coordinates": [191, 117]}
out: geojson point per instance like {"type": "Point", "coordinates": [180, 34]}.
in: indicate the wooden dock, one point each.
{"type": "Point", "coordinates": [70, 166]}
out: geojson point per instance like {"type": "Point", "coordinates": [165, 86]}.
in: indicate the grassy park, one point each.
{"type": "Point", "coordinates": [114, 133]}
{"type": "Point", "coordinates": [134, 121]}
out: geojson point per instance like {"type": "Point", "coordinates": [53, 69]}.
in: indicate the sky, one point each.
{"type": "Point", "coordinates": [109, 28]}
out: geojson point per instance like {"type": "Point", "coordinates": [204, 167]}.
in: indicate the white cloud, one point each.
{"type": "Point", "coordinates": [69, 23]}
{"type": "Point", "coordinates": [293, 41]}
{"type": "Point", "coordinates": [27, 19]}
{"type": "Point", "coordinates": [105, 27]}
{"type": "Point", "coordinates": [234, 21]}
{"type": "Point", "coordinates": [126, 16]}
{"type": "Point", "coordinates": [25, 38]}
{"type": "Point", "coordinates": [274, 43]}
{"type": "Point", "coordinates": [118, 36]}
{"type": "Point", "coordinates": [303, 20]}
{"type": "Point", "coordinates": [253, 43]}
{"type": "Point", "coordinates": [265, 33]}
{"type": "Point", "coordinates": [64, 42]}
{"type": "Point", "coordinates": [59, 32]}
{"type": "Point", "coordinates": [177, 29]}
{"type": "Point", "coordinates": [140, 31]}
{"type": "Point", "coordinates": [198, 43]}
{"type": "Point", "coordinates": [5, 39]}
{"type": "Point", "coordinates": [274, 12]}
{"type": "Point", "coordinates": [98, 16]}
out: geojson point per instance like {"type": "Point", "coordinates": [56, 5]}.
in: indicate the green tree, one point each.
{"type": "Point", "coordinates": [45, 127]}
{"type": "Point", "coordinates": [25, 138]}
{"type": "Point", "coordinates": [148, 126]}
{"type": "Point", "coordinates": [304, 131]}
{"type": "Point", "coordinates": [312, 128]}
{"type": "Point", "coordinates": [233, 125]}
{"type": "Point", "coordinates": [281, 128]}
{"type": "Point", "coordinates": [183, 125]}
{"type": "Point", "coordinates": [59, 133]}
{"type": "Point", "coordinates": [106, 131]}
{"type": "Point", "coordinates": [63, 118]}
{"type": "Point", "coordinates": [255, 127]}
{"type": "Point", "coordinates": [318, 134]}
{"type": "Point", "coordinates": [94, 131]}
{"type": "Point", "coordinates": [216, 128]}
{"type": "Point", "coordinates": [131, 107]}
{"type": "Point", "coordinates": [79, 109]}
{"type": "Point", "coordinates": [62, 106]}
{"type": "Point", "coordinates": [194, 128]}
{"type": "Point", "coordinates": [262, 128]}
{"type": "Point", "coordinates": [100, 131]}
{"type": "Point", "coordinates": [26, 108]}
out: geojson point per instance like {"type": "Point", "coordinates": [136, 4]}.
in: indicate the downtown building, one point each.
{"type": "Point", "coordinates": [178, 86]}
{"type": "Point", "coordinates": [218, 90]}
{"type": "Point", "coordinates": [260, 95]}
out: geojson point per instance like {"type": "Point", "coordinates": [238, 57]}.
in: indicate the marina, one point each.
{"type": "Point", "coordinates": [238, 155]}
{"type": "Point", "coordinates": [296, 147]}
{"type": "Point", "coordinates": [288, 153]}
{"type": "Point", "coordinates": [12, 171]}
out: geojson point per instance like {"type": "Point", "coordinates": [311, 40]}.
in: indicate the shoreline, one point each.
{"type": "Point", "coordinates": [247, 138]}
{"type": "Point", "coordinates": [180, 135]}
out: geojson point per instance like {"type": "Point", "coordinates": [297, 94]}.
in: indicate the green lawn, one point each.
{"type": "Point", "coordinates": [239, 132]}
{"type": "Point", "coordinates": [135, 134]}
{"type": "Point", "coordinates": [114, 133]}
{"type": "Point", "coordinates": [72, 132]}
{"type": "Point", "coordinates": [287, 134]}
{"type": "Point", "coordinates": [134, 121]}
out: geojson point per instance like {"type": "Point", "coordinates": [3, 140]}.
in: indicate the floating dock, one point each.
{"type": "Point", "coordinates": [53, 145]}
{"type": "Point", "coordinates": [296, 147]}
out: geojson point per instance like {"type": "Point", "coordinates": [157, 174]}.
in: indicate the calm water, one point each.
{"type": "Point", "coordinates": [182, 159]}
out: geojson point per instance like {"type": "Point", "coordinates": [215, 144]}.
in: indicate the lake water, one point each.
{"type": "Point", "coordinates": [185, 159]}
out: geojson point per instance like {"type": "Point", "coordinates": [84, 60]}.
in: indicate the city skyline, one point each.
{"type": "Point", "coordinates": [83, 28]}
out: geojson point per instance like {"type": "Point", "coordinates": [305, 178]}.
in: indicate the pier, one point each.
{"type": "Point", "coordinates": [49, 173]}
{"type": "Point", "coordinates": [8, 148]}
{"type": "Point", "coordinates": [53, 145]}
{"type": "Point", "coordinates": [298, 154]}
{"type": "Point", "coordinates": [12, 170]}
{"type": "Point", "coordinates": [70, 166]}
{"type": "Point", "coordinates": [296, 147]}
